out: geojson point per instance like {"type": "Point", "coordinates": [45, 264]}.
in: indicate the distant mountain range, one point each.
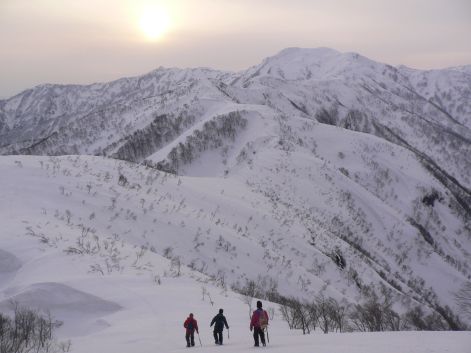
{"type": "Point", "coordinates": [352, 176]}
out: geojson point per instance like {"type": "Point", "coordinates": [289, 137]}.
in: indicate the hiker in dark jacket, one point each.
{"type": "Point", "coordinates": [220, 321]}
{"type": "Point", "coordinates": [191, 326]}
{"type": "Point", "coordinates": [258, 324]}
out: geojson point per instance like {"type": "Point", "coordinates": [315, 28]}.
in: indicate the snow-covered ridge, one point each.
{"type": "Point", "coordinates": [430, 110]}
{"type": "Point", "coordinates": [310, 156]}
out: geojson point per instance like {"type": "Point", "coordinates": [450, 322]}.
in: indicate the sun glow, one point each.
{"type": "Point", "coordinates": [154, 23]}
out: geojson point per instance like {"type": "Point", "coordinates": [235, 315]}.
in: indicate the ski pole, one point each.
{"type": "Point", "coordinates": [199, 339]}
{"type": "Point", "coordinates": [228, 336]}
{"type": "Point", "coordinates": [268, 337]}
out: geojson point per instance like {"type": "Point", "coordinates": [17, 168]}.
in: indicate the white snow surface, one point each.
{"type": "Point", "coordinates": [337, 157]}
{"type": "Point", "coordinates": [110, 299]}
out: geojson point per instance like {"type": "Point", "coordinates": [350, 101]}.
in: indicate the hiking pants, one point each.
{"type": "Point", "coordinates": [217, 336]}
{"type": "Point", "coordinates": [258, 331]}
{"type": "Point", "coordinates": [190, 338]}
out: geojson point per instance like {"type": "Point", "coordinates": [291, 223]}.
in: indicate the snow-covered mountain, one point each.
{"type": "Point", "coordinates": [313, 172]}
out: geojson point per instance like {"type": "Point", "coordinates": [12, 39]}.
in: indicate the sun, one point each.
{"type": "Point", "coordinates": [154, 23]}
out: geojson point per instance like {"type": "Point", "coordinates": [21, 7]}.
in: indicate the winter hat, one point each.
{"type": "Point", "coordinates": [259, 304]}
{"type": "Point", "coordinates": [191, 315]}
{"type": "Point", "coordinates": [221, 311]}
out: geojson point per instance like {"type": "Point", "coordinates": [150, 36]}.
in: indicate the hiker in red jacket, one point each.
{"type": "Point", "coordinates": [191, 325]}
{"type": "Point", "coordinates": [258, 324]}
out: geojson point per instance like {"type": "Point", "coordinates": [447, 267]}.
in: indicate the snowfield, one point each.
{"type": "Point", "coordinates": [127, 205]}
{"type": "Point", "coordinates": [120, 294]}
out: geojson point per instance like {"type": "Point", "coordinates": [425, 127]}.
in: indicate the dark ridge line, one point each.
{"type": "Point", "coordinates": [27, 150]}
{"type": "Point", "coordinates": [442, 176]}
{"type": "Point", "coordinates": [301, 109]}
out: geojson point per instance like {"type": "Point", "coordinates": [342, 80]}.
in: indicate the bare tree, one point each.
{"type": "Point", "coordinates": [287, 313]}
{"type": "Point", "coordinates": [463, 299]}
{"type": "Point", "coordinates": [414, 319]}
{"type": "Point", "coordinates": [296, 314]}
{"type": "Point", "coordinates": [376, 316]}
{"type": "Point", "coordinates": [338, 314]}
{"type": "Point", "coordinates": [313, 313]}
{"type": "Point", "coordinates": [247, 299]}
{"type": "Point", "coordinates": [29, 331]}
{"type": "Point", "coordinates": [325, 320]}
{"type": "Point", "coordinates": [302, 313]}
{"type": "Point", "coordinates": [176, 264]}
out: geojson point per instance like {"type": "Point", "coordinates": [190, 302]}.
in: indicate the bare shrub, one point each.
{"type": "Point", "coordinates": [463, 300]}
{"type": "Point", "coordinates": [29, 331]}
{"type": "Point", "coordinates": [375, 316]}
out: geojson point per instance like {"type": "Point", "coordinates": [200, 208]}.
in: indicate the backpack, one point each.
{"type": "Point", "coordinates": [263, 320]}
{"type": "Point", "coordinates": [219, 322]}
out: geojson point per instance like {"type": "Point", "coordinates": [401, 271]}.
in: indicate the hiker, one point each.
{"type": "Point", "coordinates": [220, 321]}
{"type": "Point", "coordinates": [258, 324]}
{"type": "Point", "coordinates": [191, 325]}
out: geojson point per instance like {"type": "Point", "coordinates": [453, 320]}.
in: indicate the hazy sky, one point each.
{"type": "Point", "coordinates": [84, 41]}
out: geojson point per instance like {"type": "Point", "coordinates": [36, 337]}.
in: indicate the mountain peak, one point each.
{"type": "Point", "coordinates": [310, 63]}
{"type": "Point", "coordinates": [292, 55]}
{"type": "Point", "coordinates": [319, 51]}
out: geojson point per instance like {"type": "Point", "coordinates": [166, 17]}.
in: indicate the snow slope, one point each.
{"type": "Point", "coordinates": [425, 111]}
{"type": "Point", "coordinates": [276, 172]}
{"type": "Point", "coordinates": [118, 296]}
